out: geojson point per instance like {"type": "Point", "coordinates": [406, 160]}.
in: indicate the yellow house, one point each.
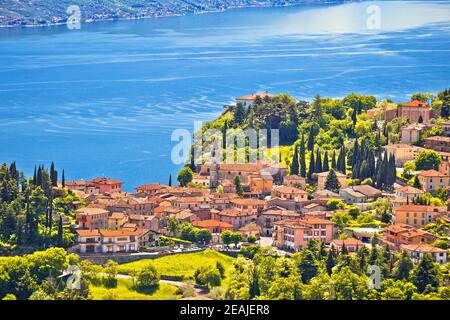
{"type": "Point", "coordinates": [432, 180]}
{"type": "Point", "coordinates": [403, 152]}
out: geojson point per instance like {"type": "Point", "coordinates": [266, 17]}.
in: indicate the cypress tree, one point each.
{"type": "Point", "coordinates": [63, 180]}
{"type": "Point", "coordinates": [417, 183]}
{"type": "Point", "coordinates": [344, 250]}
{"type": "Point", "coordinates": [302, 157]}
{"type": "Point", "coordinates": [326, 162]}
{"type": "Point", "coordinates": [34, 176]}
{"type": "Point", "coordinates": [39, 176]}
{"type": "Point", "coordinates": [52, 172]}
{"type": "Point", "coordinates": [355, 153]}
{"type": "Point", "coordinates": [311, 165]}
{"type": "Point", "coordinates": [354, 118]}
{"type": "Point", "coordinates": [294, 163]}
{"type": "Point", "coordinates": [344, 164]}
{"type": "Point", "coordinates": [170, 180]}
{"type": "Point", "coordinates": [224, 140]}
{"type": "Point", "coordinates": [59, 239]}
{"type": "Point", "coordinates": [426, 275]}
{"type": "Point", "coordinates": [311, 139]}
{"type": "Point", "coordinates": [331, 261]}
{"type": "Point", "coordinates": [391, 171]}
{"type": "Point", "coordinates": [238, 184]}
{"type": "Point", "coordinates": [403, 267]}
{"type": "Point", "coordinates": [333, 160]}
{"type": "Point", "coordinates": [254, 286]}
{"type": "Point", "coordinates": [318, 166]}
{"type": "Point", "coordinates": [332, 182]}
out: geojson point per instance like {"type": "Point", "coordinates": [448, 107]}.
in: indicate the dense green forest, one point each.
{"type": "Point", "coordinates": [317, 273]}
{"type": "Point", "coordinates": [34, 213]}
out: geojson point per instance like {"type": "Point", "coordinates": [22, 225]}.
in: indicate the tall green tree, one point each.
{"type": "Point", "coordinates": [426, 275]}
{"type": "Point", "coordinates": [318, 166]}
{"type": "Point", "coordinates": [238, 185]}
{"type": "Point", "coordinates": [332, 183]}
{"type": "Point", "coordinates": [403, 267]}
{"type": "Point", "coordinates": [326, 163]}
{"type": "Point", "coordinates": [302, 157]}
{"type": "Point", "coordinates": [185, 176]}
{"type": "Point", "coordinates": [311, 168]}
{"type": "Point", "coordinates": [294, 162]}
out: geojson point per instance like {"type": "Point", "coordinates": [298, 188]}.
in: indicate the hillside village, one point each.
{"type": "Point", "coordinates": [281, 209]}
{"type": "Point", "coordinates": [354, 175]}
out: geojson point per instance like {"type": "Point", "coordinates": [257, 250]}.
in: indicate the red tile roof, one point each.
{"type": "Point", "coordinates": [348, 242]}
{"type": "Point", "coordinates": [211, 224]}
{"type": "Point", "coordinates": [416, 103]}
{"type": "Point", "coordinates": [419, 208]}
{"type": "Point", "coordinates": [88, 233]}
{"type": "Point", "coordinates": [432, 173]}
{"type": "Point", "coordinates": [248, 202]}
{"type": "Point", "coordinates": [423, 248]}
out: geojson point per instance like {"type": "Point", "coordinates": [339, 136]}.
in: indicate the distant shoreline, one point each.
{"type": "Point", "coordinates": [167, 15]}
{"type": "Point", "coordinates": [43, 25]}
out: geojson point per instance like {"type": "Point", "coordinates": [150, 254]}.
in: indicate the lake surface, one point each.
{"type": "Point", "coordinates": [105, 99]}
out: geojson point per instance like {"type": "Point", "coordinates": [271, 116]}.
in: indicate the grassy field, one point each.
{"type": "Point", "coordinates": [124, 291]}
{"type": "Point", "coordinates": [180, 265]}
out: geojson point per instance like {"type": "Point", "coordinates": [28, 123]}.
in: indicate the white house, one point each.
{"type": "Point", "coordinates": [417, 252]}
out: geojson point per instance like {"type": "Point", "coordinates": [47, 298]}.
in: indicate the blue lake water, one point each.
{"type": "Point", "coordinates": [105, 99]}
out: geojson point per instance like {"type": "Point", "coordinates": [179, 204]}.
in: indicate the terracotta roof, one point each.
{"type": "Point", "coordinates": [367, 190]}
{"type": "Point", "coordinates": [107, 181]}
{"type": "Point", "coordinates": [250, 227]}
{"type": "Point", "coordinates": [347, 242]}
{"type": "Point", "coordinates": [304, 222]}
{"type": "Point", "coordinates": [88, 233]}
{"type": "Point", "coordinates": [419, 208]}
{"type": "Point", "coordinates": [409, 189]}
{"type": "Point", "coordinates": [184, 214]}
{"type": "Point", "coordinates": [312, 205]}
{"type": "Point", "coordinates": [117, 215]}
{"type": "Point", "coordinates": [396, 228]}
{"type": "Point", "coordinates": [118, 233]}
{"type": "Point", "coordinates": [285, 189]}
{"type": "Point", "coordinates": [423, 248]}
{"type": "Point", "coordinates": [211, 224]}
{"type": "Point", "coordinates": [407, 230]}
{"type": "Point", "coordinates": [141, 217]}
{"type": "Point", "coordinates": [231, 212]}
{"type": "Point", "coordinates": [150, 187]}
{"type": "Point", "coordinates": [432, 173]}
{"type": "Point", "coordinates": [248, 202]}
{"type": "Point", "coordinates": [416, 103]}
{"type": "Point", "coordinates": [191, 200]}
{"type": "Point", "coordinates": [89, 211]}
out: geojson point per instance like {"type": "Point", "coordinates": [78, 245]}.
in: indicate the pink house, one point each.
{"type": "Point", "coordinates": [295, 234]}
